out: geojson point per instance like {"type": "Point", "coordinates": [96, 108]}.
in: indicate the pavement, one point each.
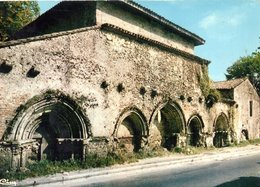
{"type": "Point", "coordinates": [90, 176]}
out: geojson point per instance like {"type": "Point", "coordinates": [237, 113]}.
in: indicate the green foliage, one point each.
{"type": "Point", "coordinates": [248, 66]}
{"type": "Point", "coordinates": [255, 141]}
{"type": "Point", "coordinates": [46, 167]}
{"type": "Point", "coordinates": [204, 81]}
{"type": "Point", "coordinates": [212, 95]}
{"type": "Point", "coordinates": [15, 15]}
{"type": "Point", "coordinates": [216, 94]}
{"type": "Point", "coordinates": [4, 163]}
{"type": "Point", "coordinates": [189, 150]}
{"type": "Point", "coordinates": [178, 150]}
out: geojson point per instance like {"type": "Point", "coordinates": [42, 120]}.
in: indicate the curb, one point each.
{"type": "Point", "coordinates": [142, 165]}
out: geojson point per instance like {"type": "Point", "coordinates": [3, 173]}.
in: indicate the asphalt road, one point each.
{"type": "Point", "coordinates": [244, 171]}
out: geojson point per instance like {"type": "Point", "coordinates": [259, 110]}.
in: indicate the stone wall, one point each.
{"type": "Point", "coordinates": [140, 24]}
{"type": "Point", "coordinates": [243, 94]}
{"type": "Point", "coordinates": [111, 78]}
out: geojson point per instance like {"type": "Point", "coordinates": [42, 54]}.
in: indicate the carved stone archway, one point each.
{"type": "Point", "coordinates": [194, 131]}
{"type": "Point", "coordinates": [221, 131]}
{"type": "Point", "coordinates": [131, 130]}
{"type": "Point", "coordinates": [169, 120]}
{"type": "Point", "coordinates": [50, 126]}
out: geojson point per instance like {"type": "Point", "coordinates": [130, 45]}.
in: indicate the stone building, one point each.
{"type": "Point", "coordinates": [95, 77]}
{"type": "Point", "coordinates": [246, 106]}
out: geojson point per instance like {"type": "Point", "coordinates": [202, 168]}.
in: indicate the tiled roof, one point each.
{"type": "Point", "coordinates": [66, 6]}
{"type": "Point", "coordinates": [229, 84]}
{"type": "Point", "coordinates": [198, 40]}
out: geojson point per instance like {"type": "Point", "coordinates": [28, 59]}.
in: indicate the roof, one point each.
{"type": "Point", "coordinates": [197, 40]}
{"type": "Point", "coordinates": [62, 9]}
{"type": "Point", "coordinates": [227, 85]}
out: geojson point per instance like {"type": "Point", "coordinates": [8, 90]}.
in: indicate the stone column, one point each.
{"type": "Point", "coordinates": [16, 157]}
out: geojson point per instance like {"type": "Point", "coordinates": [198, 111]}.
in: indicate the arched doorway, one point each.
{"type": "Point", "coordinates": [221, 131]}
{"type": "Point", "coordinates": [194, 131]}
{"type": "Point", "coordinates": [169, 121]}
{"type": "Point", "coordinates": [49, 127]}
{"type": "Point", "coordinates": [131, 129]}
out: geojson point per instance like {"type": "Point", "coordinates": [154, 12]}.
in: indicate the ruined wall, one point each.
{"type": "Point", "coordinates": [77, 64]}
{"type": "Point", "coordinates": [243, 94]}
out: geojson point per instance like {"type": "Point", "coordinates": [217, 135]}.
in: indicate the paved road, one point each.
{"type": "Point", "coordinates": [244, 171]}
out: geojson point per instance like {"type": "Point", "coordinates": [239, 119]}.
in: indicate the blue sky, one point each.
{"type": "Point", "coordinates": [231, 28]}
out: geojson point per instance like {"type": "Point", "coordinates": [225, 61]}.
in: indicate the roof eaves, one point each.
{"type": "Point", "coordinates": [198, 40]}
{"type": "Point", "coordinates": [108, 27]}
{"type": "Point", "coordinates": [139, 37]}
{"type": "Point", "coordinates": [227, 85]}
{"type": "Point", "coordinates": [228, 101]}
{"type": "Point", "coordinates": [46, 36]}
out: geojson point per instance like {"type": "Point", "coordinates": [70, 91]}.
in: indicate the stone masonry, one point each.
{"type": "Point", "coordinates": [125, 80]}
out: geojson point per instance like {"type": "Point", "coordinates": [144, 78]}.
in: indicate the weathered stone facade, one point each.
{"type": "Point", "coordinates": [246, 108]}
{"type": "Point", "coordinates": [105, 87]}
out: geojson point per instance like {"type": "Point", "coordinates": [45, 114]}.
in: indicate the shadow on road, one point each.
{"type": "Point", "coordinates": [242, 181]}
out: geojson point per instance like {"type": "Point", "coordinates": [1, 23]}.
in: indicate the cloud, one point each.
{"type": "Point", "coordinates": [209, 21]}
{"type": "Point", "coordinates": [222, 19]}
{"type": "Point", "coordinates": [223, 25]}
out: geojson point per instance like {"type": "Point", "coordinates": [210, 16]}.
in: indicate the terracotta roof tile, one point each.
{"type": "Point", "coordinates": [229, 84]}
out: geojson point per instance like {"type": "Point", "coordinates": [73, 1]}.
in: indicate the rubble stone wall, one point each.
{"type": "Point", "coordinates": [244, 93]}
{"type": "Point", "coordinates": [107, 75]}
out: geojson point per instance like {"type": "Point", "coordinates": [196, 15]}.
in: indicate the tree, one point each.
{"type": "Point", "coordinates": [15, 15]}
{"type": "Point", "coordinates": [248, 66]}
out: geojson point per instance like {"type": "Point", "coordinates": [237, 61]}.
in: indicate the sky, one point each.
{"type": "Point", "coordinates": [231, 28]}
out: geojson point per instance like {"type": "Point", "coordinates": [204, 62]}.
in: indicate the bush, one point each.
{"type": "Point", "coordinates": [5, 162]}
{"type": "Point", "coordinates": [178, 150]}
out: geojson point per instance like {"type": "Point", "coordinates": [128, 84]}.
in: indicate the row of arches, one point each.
{"type": "Point", "coordinates": [170, 123]}
{"type": "Point", "coordinates": [55, 128]}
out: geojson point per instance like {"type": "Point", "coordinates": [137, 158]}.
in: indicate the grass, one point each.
{"type": "Point", "coordinates": [246, 142]}
{"type": "Point", "coordinates": [45, 167]}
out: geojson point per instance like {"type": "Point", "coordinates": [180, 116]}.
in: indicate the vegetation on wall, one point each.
{"type": "Point", "coordinates": [212, 95]}
{"type": "Point", "coordinates": [231, 115]}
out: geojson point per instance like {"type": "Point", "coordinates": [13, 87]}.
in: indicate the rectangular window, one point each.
{"type": "Point", "coordinates": [251, 108]}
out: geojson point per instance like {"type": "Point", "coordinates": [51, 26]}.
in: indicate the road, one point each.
{"type": "Point", "coordinates": [244, 171]}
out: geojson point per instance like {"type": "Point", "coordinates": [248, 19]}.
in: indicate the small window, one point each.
{"type": "Point", "coordinates": [251, 108]}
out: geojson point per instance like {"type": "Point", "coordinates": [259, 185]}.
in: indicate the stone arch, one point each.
{"type": "Point", "coordinates": [170, 122]}
{"type": "Point", "coordinates": [131, 130]}
{"type": "Point", "coordinates": [194, 131]}
{"type": "Point", "coordinates": [221, 131]}
{"type": "Point", "coordinates": [51, 126]}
